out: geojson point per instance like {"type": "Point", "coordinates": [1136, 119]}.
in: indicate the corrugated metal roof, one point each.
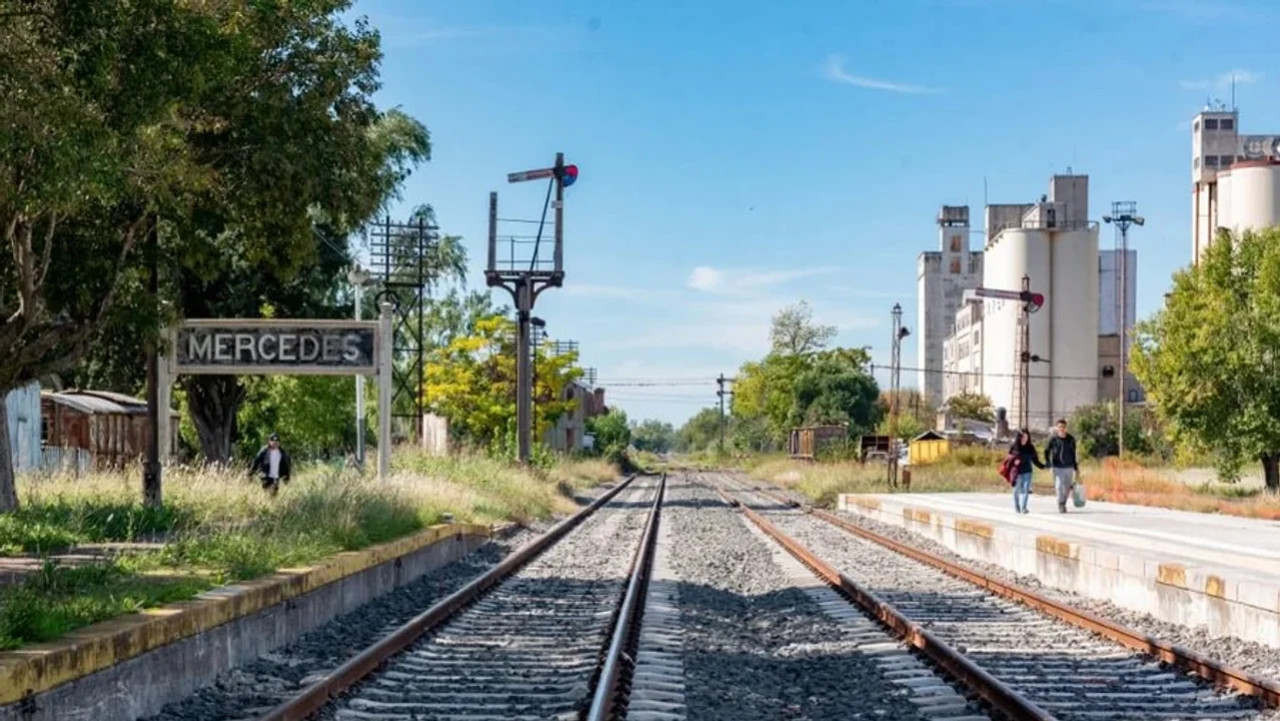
{"type": "Point", "coordinates": [85, 404]}
{"type": "Point", "coordinates": [118, 398]}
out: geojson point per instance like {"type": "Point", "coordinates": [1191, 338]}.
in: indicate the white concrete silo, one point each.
{"type": "Point", "coordinates": [1057, 248]}
{"type": "Point", "coordinates": [1249, 195]}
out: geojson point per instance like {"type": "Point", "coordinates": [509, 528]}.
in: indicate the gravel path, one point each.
{"type": "Point", "coordinates": [250, 690]}
{"type": "Point", "coordinates": [756, 646]}
{"type": "Point", "coordinates": [915, 588]}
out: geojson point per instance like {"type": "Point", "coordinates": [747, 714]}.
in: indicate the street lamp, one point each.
{"type": "Point", "coordinates": [1123, 215]}
{"type": "Point", "coordinates": [359, 279]}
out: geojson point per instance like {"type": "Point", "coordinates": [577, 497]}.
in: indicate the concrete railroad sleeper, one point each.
{"type": "Point", "coordinates": [531, 638]}
{"type": "Point", "coordinates": [996, 639]}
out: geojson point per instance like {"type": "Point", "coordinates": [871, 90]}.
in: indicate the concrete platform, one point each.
{"type": "Point", "coordinates": [1221, 572]}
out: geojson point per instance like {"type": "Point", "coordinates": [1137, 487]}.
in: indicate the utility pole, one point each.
{"type": "Point", "coordinates": [721, 392]}
{"type": "Point", "coordinates": [152, 496]}
{"type": "Point", "coordinates": [525, 276]}
{"type": "Point", "coordinates": [895, 376]}
{"type": "Point", "coordinates": [1023, 357]}
{"type": "Point", "coordinates": [1123, 215]}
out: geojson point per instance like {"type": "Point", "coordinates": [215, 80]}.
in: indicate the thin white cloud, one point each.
{"type": "Point", "coordinates": [741, 281]}
{"type": "Point", "coordinates": [1223, 81]}
{"type": "Point", "coordinates": [836, 72]}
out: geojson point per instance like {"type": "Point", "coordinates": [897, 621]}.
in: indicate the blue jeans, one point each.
{"type": "Point", "coordinates": [1021, 491]}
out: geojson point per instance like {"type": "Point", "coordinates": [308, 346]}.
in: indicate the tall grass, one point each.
{"type": "Point", "coordinates": [965, 469]}
{"type": "Point", "coordinates": [1128, 482]}
{"type": "Point", "coordinates": [220, 526]}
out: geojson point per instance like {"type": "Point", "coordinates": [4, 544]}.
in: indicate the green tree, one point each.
{"type": "Point", "coordinates": [472, 383]}
{"type": "Point", "coordinates": [612, 434]}
{"type": "Point", "coordinates": [653, 435]}
{"type": "Point", "coordinates": [699, 432]}
{"type": "Point", "coordinates": [837, 389]}
{"type": "Point", "coordinates": [118, 105]}
{"type": "Point", "coordinates": [1097, 427]}
{"type": "Point", "coordinates": [1208, 359]}
{"type": "Point", "coordinates": [794, 331]}
{"type": "Point", "coordinates": [971, 406]}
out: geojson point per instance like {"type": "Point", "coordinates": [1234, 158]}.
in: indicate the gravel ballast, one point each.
{"type": "Point", "coordinates": [1248, 656]}
{"type": "Point", "coordinates": [755, 646]}
{"type": "Point", "coordinates": [250, 690]}
{"type": "Point", "coordinates": [853, 554]}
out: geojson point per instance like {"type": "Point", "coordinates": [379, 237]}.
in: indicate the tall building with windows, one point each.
{"type": "Point", "coordinates": [1235, 178]}
{"type": "Point", "coordinates": [943, 276]}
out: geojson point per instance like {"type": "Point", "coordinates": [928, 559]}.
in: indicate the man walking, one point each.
{"type": "Point", "coordinates": [272, 465]}
{"type": "Point", "coordinates": [1060, 454]}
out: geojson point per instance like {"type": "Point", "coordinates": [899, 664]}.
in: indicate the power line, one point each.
{"type": "Point", "coordinates": [986, 374]}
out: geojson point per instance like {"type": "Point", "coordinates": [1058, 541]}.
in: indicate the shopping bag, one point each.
{"type": "Point", "coordinates": [1077, 494]}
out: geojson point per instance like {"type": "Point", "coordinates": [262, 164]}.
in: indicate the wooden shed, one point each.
{"type": "Point", "coordinates": [806, 443]}
{"type": "Point", "coordinates": [110, 427]}
{"type": "Point", "coordinates": [928, 447]}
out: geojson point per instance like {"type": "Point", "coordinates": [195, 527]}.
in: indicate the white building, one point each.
{"type": "Point", "coordinates": [942, 277]}
{"type": "Point", "coordinates": [1055, 244]}
{"type": "Point", "coordinates": [1235, 179]}
{"type": "Point", "coordinates": [962, 354]}
{"type": "Point", "coordinates": [1109, 308]}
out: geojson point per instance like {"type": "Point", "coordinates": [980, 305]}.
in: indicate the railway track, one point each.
{"type": "Point", "coordinates": [1026, 656]}
{"type": "Point", "coordinates": [547, 634]}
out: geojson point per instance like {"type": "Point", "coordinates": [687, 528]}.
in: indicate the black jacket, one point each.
{"type": "Point", "coordinates": [1061, 452]}
{"type": "Point", "coordinates": [1028, 455]}
{"type": "Point", "coordinates": [262, 464]}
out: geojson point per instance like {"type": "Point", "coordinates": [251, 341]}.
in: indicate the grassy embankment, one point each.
{"type": "Point", "coordinates": [218, 528]}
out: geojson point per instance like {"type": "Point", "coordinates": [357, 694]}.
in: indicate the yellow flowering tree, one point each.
{"type": "Point", "coordinates": [472, 382]}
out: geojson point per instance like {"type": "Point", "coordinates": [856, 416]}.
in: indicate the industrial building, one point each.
{"type": "Point", "coordinates": [1235, 179]}
{"type": "Point", "coordinates": [943, 276]}
{"type": "Point", "coordinates": [1054, 243]}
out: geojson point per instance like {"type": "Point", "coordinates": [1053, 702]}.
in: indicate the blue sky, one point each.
{"type": "Point", "coordinates": [739, 156]}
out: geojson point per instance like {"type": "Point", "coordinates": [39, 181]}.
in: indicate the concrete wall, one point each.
{"type": "Point", "coordinates": [140, 686]}
{"type": "Point", "coordinates": [22, 407]}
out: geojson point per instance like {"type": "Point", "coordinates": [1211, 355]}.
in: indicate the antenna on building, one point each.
{"type": "Point", "coordinates": [1233, 90]}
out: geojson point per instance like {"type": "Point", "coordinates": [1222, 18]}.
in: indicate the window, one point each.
{"type": "Point", "coordinates": [977, 336]}
{"type": "Point", "coordinates": [1225, 161]}
{"type": "Point", "coordinates": [955, 266]}
{"type": "Point", "coordinates": [1133, 396]}
{"type": "Point", "coordinates": [1227, 124]}
{"type": "Point", "coordinates": [955, 244]}
{"type": "Point", "coordinates": [1195, 127]}
{"type": "Point", "coordinates": [1210, 161]}
{"type": "Point", "coordinates": [1210, 123]}
{"type": "Point", "coordinates": [1195, 163]}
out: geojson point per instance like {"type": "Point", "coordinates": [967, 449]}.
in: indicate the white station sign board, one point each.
{"type": "Point", "coordinates": [253, 347]}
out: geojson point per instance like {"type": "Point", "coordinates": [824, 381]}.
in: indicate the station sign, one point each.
{"type": "Point", "coordinates": [255, 346]}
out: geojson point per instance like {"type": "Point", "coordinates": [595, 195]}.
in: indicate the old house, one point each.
{"type": "Point", "coordinates": [98, 428]}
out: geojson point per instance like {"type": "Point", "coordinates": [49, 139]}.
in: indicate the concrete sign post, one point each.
{"type": "Point", "coordinates": [385, 352]}
{"type": "Point", "coordinates": [268, 346]}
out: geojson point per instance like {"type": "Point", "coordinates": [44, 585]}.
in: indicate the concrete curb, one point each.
{"type": "Point", "coordinates": [296, 600]}
{"type": "Point", "coordinates": [1229, 601]}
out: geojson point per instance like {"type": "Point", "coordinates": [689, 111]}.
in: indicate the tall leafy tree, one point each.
{"type": "Point", "coordinates": [1208, 360]}
{"type": "Point", "coordinates": [794, 332]}
{"type": "Point", "coordinates": [108, 104]}
{"type": "Point", "coordinates": [837, 389]}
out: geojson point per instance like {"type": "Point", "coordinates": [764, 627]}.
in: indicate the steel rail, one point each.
{"type": "Point", "coordinates": [1221, 675]}
{"type": "Point", "coordinates": [319, 694]}
{"type": "Point", "coordinates": [605, 699]}
{"type": "Point", "coordinates": [993, 691]}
